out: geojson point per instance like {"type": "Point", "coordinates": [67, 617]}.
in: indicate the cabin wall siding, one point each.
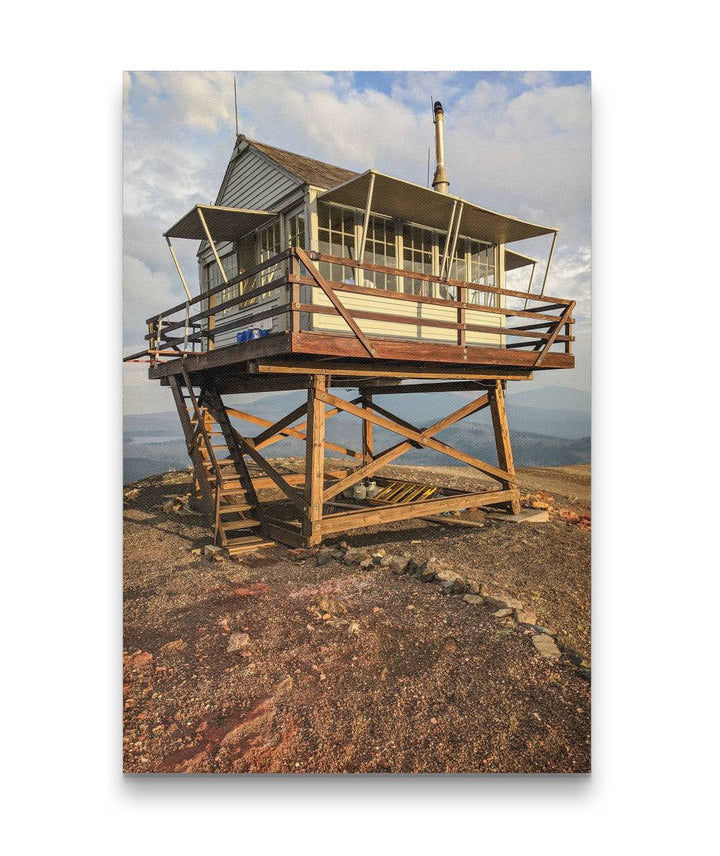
{"type": "Point", "coordinates": [255, 183]}
{"type": "Point", "coordinates": [334, 324]}
{"type": "Point", "coordinates": [366, 303]}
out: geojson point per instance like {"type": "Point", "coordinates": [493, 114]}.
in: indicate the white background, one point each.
{"type": "Point", "coordinates": [654, 516]}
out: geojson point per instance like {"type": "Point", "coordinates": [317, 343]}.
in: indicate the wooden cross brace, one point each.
{"type": "Point", "coordinates": [415, 438]}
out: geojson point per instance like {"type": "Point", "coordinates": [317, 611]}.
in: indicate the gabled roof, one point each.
{"type": "Point", "coordinates": [314, 172]}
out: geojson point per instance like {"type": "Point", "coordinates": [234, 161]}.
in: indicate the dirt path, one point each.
{"type": "Point", "coordinates": [351, 670]}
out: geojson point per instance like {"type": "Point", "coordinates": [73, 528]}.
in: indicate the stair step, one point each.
{"type": "Point", "coordinates": [229, 525]}
{"type": "Point", "coordinates": [246, 544]}
{"type": "Point", "coordinates": [226, 509]}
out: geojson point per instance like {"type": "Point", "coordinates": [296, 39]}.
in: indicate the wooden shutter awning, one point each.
{"type": "Point", "coordinates": [413, 203]}
{"type": "Point", "coordinates": [224, 224]}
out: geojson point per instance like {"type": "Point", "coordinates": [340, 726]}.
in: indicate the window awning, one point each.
{"type": "Point", "coordinates": [413, 203]}
{"type": "Point", "coordinates": [515, 260]}
{"type": "Point", "coordinates": [224, 224]}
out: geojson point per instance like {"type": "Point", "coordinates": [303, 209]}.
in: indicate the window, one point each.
{"type": "Point", "coordinates": [269, 246]}
{"type": "Point", "coordinates": [336, 237]}
{"type": "Point", "coordinates": [380, 250]}
{"type": "Point", "coordinates": [481, 270]}
{"type": "Point", "coordinates": [213, 279]}
{"type": "Point", "coordinates": [457, 268]}
{"type": "Point", "coordinates": [417, 257]}
{"type": "Point", "coordinates": [296, 231]}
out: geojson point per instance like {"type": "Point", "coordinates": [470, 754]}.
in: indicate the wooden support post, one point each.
{"type": "Point", "coordinates": [211, 323]}
{"type": "Point", "coordinates": [314, 460]}
{"type": "Point", "coordinates": [367, 430]}
{"type": "Point", "coordinates": [502, 441]}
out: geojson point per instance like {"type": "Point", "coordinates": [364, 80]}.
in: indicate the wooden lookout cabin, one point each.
{"type": "Point", "coordinates": [313, 277]}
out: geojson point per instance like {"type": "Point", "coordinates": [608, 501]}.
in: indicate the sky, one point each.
{"type": "Point", "coordinates": [515, 142]}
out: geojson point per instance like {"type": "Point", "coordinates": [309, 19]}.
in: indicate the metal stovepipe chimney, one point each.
{"type": "Point", "coordinates": [440, 181]}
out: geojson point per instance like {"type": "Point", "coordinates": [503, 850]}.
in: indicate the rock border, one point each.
{"type": "Point", "coordinates": [507, 609]}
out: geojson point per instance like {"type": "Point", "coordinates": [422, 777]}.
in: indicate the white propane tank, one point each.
{"type": "Point", "coordinates": [359, 491]}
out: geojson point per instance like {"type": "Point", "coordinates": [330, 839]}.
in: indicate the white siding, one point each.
{"type": "Point", "coordinates": [363, 302]}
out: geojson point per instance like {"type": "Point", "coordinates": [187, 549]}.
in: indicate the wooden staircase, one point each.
{"type": "Point", "coordinates": [226, 491]}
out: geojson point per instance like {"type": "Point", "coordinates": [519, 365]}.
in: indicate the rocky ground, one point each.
{"type": "Point", "coordinates": [416, 647]}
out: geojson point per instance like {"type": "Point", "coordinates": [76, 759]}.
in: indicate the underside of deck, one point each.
{"type": "Point", "coordinates": [287, 360]}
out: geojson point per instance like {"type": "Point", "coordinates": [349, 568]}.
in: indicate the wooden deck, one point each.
{"type": "Point", "coordinates": [184, 336]}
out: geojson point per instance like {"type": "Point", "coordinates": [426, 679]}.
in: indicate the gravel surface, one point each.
{"type": "Point", "coordinates": [277, 664]}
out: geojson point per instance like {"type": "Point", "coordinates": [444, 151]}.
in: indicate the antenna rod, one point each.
{"type": "Point", "coordinates": [237, 129]}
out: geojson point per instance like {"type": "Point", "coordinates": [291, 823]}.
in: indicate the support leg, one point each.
{"type": "Point", "coordinates": [367, 431]}
{"type": "Point", "coordinates": [502, 440]}
{"type": "Point", "coordinates": [314, 461]}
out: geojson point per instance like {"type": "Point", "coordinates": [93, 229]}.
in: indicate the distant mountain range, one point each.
{"type": "Point", "coordinates": [549, 426]}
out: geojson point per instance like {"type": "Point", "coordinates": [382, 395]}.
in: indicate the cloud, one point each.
{"type": "Point", "coordinates": [144, 293]}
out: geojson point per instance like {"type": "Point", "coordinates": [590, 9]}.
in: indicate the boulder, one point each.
{"type": "Point", "coordinates": [525, 616]}
{"type": "Point", "coordinates": [398, 564]}
{"type": "Point", "coordinates": [503, 613]}
{"type": "Point", "coordinates": [473, 599]}
{"type": "Point", "coordinates": [446, 575]}
{"type": "Point", "coordinates": [546, 646]}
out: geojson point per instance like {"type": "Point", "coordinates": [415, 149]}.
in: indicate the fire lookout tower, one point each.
{"type": "Point", "coordinates": [313, 277]}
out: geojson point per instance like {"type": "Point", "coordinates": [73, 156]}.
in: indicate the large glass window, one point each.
{"type": "Point", "coordinates": [380, 250]}
{"type": "Point", "coordinates": [336, 237]}
{"type": "Point", "coordinates": [417, 257]}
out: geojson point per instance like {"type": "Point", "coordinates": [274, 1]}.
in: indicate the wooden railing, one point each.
{"type": "Point", "coordinates": [176, 331]}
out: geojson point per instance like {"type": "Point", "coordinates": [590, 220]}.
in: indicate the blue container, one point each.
{"type": "Point", "coordinates": [252, 333]}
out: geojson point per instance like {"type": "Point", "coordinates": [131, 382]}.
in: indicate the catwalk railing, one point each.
{"type": "Point", "coordinates": [285, 285]}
